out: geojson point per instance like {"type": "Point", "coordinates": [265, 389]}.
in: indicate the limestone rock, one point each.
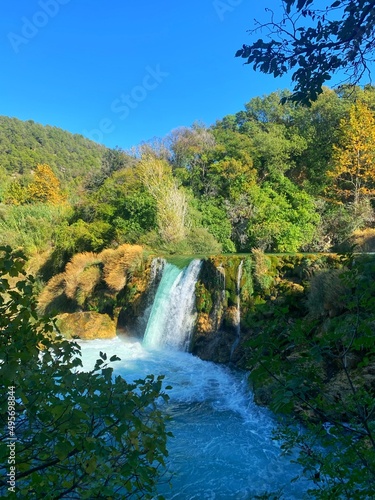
{"type": "Point", "coordinates": [86, 325]}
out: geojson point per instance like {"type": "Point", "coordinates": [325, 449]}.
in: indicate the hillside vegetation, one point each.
{"type": "Point", "coordinates": [281, 178]}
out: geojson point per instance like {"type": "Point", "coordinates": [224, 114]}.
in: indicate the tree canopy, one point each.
{"type": "Point", "coordinates": [315, 43]}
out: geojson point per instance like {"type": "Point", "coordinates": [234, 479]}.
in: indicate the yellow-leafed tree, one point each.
{"type": "Point", "coordinates": [354, 159]}
{"type": "Point", "coordinates": [45, 187]}
{"type": "Point", "coordinates": [156, 176]}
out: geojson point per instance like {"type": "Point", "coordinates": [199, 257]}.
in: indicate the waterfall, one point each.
{"type": "Point", "coordinates": [238, 309]}
{"type": "Point", "coordinates": [172, 317]}
{"type": "Point", "coordinates": [156, 273]}
{"type": "Point", "coordinates": [221, 273]}
{"type": "Point", "coordinates": [157, 266]}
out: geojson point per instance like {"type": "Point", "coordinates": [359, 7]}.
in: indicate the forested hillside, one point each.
{"type": "Point", "coordinates": [25, 144]}
{"type": "Point", "coordinates": [281, 178]}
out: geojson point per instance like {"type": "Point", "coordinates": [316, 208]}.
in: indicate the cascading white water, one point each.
{"type": "Point", "coordinates": [157, 266]}
{"type": "Point", "coordinates": [171, 320]}
{"type": "Point", "coordinates": [238, 309]}
{"type": "Point", "coordinates": [222, 447]}
{"type": "Point", "coordinates": [156, 271]}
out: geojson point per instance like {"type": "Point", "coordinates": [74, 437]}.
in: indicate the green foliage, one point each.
{"type": "Point", "coordinates": [256, 179]}
{"type": "Point", "coordinates": [327, 293]}
{"type": "Point", "coordinates": [83, 236]}
{"type": "Point", "coordinates": [79, 434]}
{"type": "Point", "coordinates": [214, 219]}
{"type": "Point", "coordinates": [321, 373]}
{"type": "Point", "coordinates": [315, 43]}
{"type": "Point", "coordinates": [202, 242]}
{"type": "Point", "coordinates": [284, 221]}
{"type": "Point", "coordinates": [34, 227]}
{"type": "Point", "coordinates": [263, 278]}
{"type": "Point", "coordinates": [203, 298]}
{"type": "Point", "coordinates": [24, 144]}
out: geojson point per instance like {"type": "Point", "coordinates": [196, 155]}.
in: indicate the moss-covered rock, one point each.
{"type": "Point", "coordinates": [86, 325]}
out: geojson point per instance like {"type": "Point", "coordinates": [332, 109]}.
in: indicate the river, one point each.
{"type": "Point", "coordinates": [222, 447]}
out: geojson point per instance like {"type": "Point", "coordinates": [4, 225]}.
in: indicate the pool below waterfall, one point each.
{"type": "Point", "coordinates": [222, 446]}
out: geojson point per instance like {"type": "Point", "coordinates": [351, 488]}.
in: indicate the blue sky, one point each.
{"type": "Point", "coordinates": [121, 71]}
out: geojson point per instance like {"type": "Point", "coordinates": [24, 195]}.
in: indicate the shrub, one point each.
{"type": "Point", "coordinates": [119, 263]}
{"type": "Point", "coordinates": [327, 293]}
{"type": "Point", "coordinates": [201, 241]}
{"type": "Point", "coordinates": [262, 265]}
{"type": "Point", "coordinates": [82, 274]}
{"type": "Point", "coordinates": [31, 227]}
{"type": "Point", "coordinates": [85, 271]}
{"type": "Point", "coordinates": [79, 434]}
{"type": "Point", "coordinates": [364, 240]}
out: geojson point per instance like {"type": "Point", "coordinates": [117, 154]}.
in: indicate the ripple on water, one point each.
{"type": "Point", "coordinates": [222, 447]}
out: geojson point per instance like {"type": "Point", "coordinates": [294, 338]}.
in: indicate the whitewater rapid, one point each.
{"type": "Point", "coordinates": [222, 447]}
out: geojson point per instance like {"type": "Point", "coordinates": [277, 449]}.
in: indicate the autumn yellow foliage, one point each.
{"type": "Point", "coordinates": [44, 188]}
{"type": "Point", "coordinates": [354, 159]}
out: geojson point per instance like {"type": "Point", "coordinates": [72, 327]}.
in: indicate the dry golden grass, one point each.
{"type": "Point", "coordinates": [119, 263]}
{"type": "Point", "coordinates": [54, 288]}
{"type": "Point", "coordinates": [86, 284]}
{"type": "Point", "coordinates": [83, 273]}
{"type": "Point", "coordinates": [74, 270]}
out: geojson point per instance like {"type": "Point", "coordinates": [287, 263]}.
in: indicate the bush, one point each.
{"type": "Point", "coordinates": [80, 435]}
{"type": "Point", "coordinates": [31, 227]}
{"type": "Point", "coordinates": [85, 271]}
{"type": "Point", "coordinates": [364, 240]}
{"type": "Point", "coordinates": [201, 241]}
{"type": "Point", "coordinates": [327, 293]}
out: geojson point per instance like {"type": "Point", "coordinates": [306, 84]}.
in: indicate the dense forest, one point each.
{"type": "Point", "coordinates": [278, 177]}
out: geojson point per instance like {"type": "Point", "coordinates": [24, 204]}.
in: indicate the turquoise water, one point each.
{"type": "Point", "coordinates": [172, 316]}
{"type": "Point", "coordinates": [222, 447]}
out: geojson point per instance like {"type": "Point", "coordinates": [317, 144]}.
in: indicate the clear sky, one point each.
{"type": "Point", "coordinates": [124, 71]}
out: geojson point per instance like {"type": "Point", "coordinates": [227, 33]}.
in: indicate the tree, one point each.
{"type": "Point", "coordinates": [354, 159]}
{"type": "Point", "coordinates": [190, 150]}
{"type": "Point", "coordinates": [315, 43]}
{"type": "Point", "coordinates": [314, 368]}
{"type": "Point", "coordinates": [45, 187]}
{"type": "Point", "coordinates": [78, 434]}
{"type": "Point", "coordinates": [171, 202]}
{"type": "Point", "coordinates": [16, 193]}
